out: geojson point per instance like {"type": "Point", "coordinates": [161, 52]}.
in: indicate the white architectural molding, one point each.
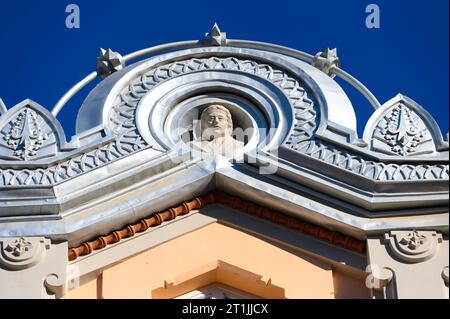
{"type": "Point", "coordinates": [303, 158]}
{"type": "Point", "coordinates": [32, 268]}
{"type": "Point", "coordinates": [417, 260]}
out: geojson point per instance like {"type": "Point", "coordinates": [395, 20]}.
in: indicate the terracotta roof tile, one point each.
{"type": "Point", "coordinates": [225, 199]}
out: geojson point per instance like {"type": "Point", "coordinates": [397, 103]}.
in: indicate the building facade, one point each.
{"type": "Point", "coordinates": [297, 206]}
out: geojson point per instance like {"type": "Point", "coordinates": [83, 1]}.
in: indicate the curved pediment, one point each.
{"type": "Point", "coordinates": [287, 92]}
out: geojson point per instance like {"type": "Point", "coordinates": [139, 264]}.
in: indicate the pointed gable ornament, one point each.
{"type": "Point", "coordinates": [401, 127]}
{"type": "Point", "coordinates": [29, 132]}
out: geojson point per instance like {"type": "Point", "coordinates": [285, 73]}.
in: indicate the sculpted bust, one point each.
{"type": "Point", "coordinates": [216, 128]}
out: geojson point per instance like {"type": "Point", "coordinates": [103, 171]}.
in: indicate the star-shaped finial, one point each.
{"type": "Point", "coordinates": [215, 36]}
{"type": "Point", "coordinates": [330, 53]}
{"type": "Point", "coordinates": [326, 60]}
{"type": "Point", "coordinates": [109, 62]}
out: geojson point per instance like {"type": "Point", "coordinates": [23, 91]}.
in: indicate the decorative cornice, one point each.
{"type": "Point", "coordinates": [71, 167]}
{"type": "Point", "coordinates": [130, 230]}
{"type": "Point", "coordinates": [371, 169]}
{"type": "Point", "coordinates": [230, 201]}
{"type": "Point", "coordinates": [66, 165]}
{"type": "Point", "coordinates": [301, 139]}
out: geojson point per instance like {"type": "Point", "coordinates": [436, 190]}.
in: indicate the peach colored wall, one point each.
{"type": "Point", "coordinates": [347, 287]}
{"type": "Point", "coordinates": [85, 291]}
{"type": "Point", "coordinates": [191, 261]}
{"type": "Point", "coordinates": [219, 272]}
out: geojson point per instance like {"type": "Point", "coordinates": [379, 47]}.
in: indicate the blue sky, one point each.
{"type": "Point", "coordinates": [41, 59]}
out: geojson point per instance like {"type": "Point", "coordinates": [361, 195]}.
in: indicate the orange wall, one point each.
{"type": "Point", "coordinates": [218, 253]}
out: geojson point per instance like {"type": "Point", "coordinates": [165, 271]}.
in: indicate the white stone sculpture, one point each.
{"type": "Point", "coordinates": [216, 128]}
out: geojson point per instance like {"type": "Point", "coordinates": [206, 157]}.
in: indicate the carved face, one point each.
{"type": "Point", "coordinates": [216, 122]}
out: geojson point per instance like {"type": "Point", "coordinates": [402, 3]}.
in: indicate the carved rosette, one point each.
{"type": "Point", "coordinates": [413, 246]}
{"type": "Point", "coordinates": [23, 252]}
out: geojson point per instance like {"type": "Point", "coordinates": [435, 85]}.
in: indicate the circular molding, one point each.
{"type": "Point", "coordinates": [262, 104]}
{"type": "Point", "coordinates": [150, 97]}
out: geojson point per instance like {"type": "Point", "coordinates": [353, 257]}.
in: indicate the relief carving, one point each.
{"type": "Point", "coordinates": [402, 132]}
{"type": "Point", "coordinates": [26, 135]}
{"type": "Point", "coordinates": [216, 130]}
{"type": "Point", "coordinates": [23, 252]}
{"type": "Point", "coordinates": [413, 246]}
